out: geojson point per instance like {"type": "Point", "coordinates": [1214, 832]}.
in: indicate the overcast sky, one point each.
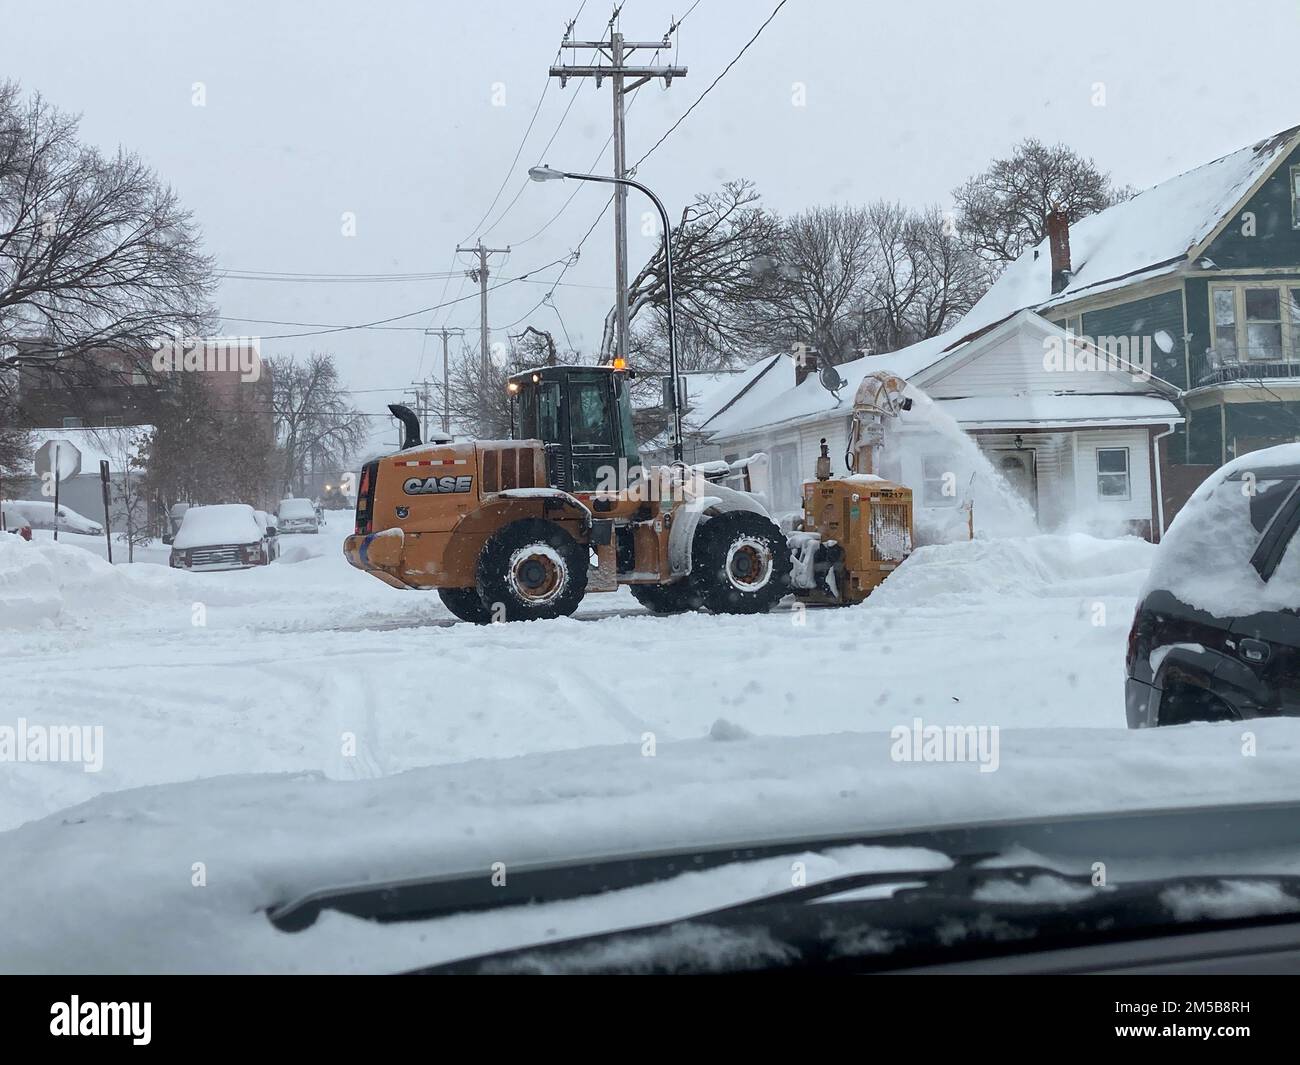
{"type": "Point", "coordinates": [392, 110]}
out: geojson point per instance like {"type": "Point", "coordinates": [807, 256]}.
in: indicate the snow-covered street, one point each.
{"type": "Point", "coordinates": [277, 669]}
{"type": "Point", "coordinates": [527, 743]}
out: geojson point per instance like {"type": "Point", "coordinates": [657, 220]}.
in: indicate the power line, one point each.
{"type": "Point", "coordinates": [385, 321]}
{"type": "Point", "coordinates": [714, 82]}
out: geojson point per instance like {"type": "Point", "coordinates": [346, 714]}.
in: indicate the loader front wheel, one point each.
{"type": "Point", "coordinates": [740, 563]}
{"type": "Point", "coordinates": [465, 604]}
{"type": "Point", "coordinates": [675, 598]}
{"type": "Point", "coordinates": [534, 569]}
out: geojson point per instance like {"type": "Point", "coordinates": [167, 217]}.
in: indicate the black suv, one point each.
{"type": "Point", "coordinates": [1216, 636]}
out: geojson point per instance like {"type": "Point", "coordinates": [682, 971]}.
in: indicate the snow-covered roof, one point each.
{"type": "Point", "coordinates": [116, 444]}
{"type": "Point", "coordinates": [1146, 236]}
{"type": "Point", "coordinates": [1031, 411]}
{"type": "Point", "coordinates": [700, 388]}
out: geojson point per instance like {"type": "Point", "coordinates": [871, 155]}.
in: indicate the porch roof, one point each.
{"type": "Point", "coordinates": [1060, 411]}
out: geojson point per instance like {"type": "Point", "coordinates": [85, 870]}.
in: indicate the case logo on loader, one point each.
{"type": "Point", "coordinates": [420, 486]}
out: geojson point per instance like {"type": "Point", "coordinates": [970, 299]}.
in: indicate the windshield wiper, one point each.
{"type": "Point", "coordinates": [963, 913]}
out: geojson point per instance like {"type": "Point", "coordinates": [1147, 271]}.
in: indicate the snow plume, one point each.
{"type": "Point", "coordinates": [926, 430]}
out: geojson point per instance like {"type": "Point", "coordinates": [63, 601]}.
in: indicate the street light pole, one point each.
{"type": "Point", "coordinates": [545, 173]}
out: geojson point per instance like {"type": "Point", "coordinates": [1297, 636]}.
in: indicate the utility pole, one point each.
{"type": "Point", "coordinates": [421, 403]}
{"type": "Point", "coordinates": [624, 79]}
{"type": "Point", "coordinates": [445, 333]}
{"type": "Point", "coordinates": [480, 274]}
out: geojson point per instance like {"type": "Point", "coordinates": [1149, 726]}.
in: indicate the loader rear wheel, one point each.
{"type": "Point", "coordinates": [534, 569]}
{"type": "Point", "coordinates": [740, 563]}
{"type": "Point", "coordinates": [465, 604]}
{"type": "Point", "coordinates": [675, 598]}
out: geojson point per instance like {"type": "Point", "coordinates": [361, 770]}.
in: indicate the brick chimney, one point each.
{"type": "Point", "coordinates": [805, 366]}
{"type": "Point", "coordinates": [1058, 238]}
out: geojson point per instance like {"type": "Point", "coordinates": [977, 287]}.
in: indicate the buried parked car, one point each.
{"type": "Point", "coordinates": [298, 516]}
{"type": "Point", "coordinates": [1216, 636]}
{"type": "Point", "coordinates": [223, 536]}
{"type": "Point", "coordinates": [40, 515]}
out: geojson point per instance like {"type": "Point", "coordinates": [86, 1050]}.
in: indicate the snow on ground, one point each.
{"type": "Point", "coordinates": [316, 726]}
{"type": "Point", "coordinates": [273, 669]}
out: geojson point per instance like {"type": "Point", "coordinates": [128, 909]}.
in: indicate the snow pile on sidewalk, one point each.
{"type": "Point", "coordinates": [44, 581]}
{"type": "Point", "coordinates": [1036, 567]}
{"type": "Point", "coordinates": [29, 590]}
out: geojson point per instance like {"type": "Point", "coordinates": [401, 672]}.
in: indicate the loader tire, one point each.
{"type": "Point", "coordinates": [534, 569]}
{"type": "Point", "coordinates": [465, 604]}
{"type": "Point", "coordinates": [675, 598]}
{"type": "Point", "coordinates": [740, 563]}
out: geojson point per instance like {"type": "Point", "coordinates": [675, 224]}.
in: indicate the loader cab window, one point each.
{"type": "Point", "coordinates": [593, 428]}
{"type": "Point", "coordinates": [631, 450]}
{"type": "Point", "coordinates": [540, 416]}
{"type": "Point", "coordinates": [591, 419]}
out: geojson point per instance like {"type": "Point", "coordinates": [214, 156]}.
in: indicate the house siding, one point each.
{"type": "Point", "coordinates": [1276, 242]}
{"type": "Point", "coordinates": [1090, 506]}
{"type": "Point", "coordinates": [1145, 318]}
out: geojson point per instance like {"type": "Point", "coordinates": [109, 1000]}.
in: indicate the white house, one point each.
{"type": "Point", "coordinates": [1071, 429]}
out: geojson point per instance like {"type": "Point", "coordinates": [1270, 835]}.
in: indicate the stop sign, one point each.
{"type": "Point", "coordinates": [69, 459]}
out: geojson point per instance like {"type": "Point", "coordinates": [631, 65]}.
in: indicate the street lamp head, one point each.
{"type": "Point", "coordinates": [544, 173]}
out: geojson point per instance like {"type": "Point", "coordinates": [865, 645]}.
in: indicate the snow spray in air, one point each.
{"type": "Point", "coordinates": [927, 445]}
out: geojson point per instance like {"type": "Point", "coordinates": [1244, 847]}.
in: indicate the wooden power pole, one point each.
{"type": "Point", "coordinates": [624, 78]}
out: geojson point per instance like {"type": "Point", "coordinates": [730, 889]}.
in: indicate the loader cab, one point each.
{"type": "Point", "coordinates": [583, 416]}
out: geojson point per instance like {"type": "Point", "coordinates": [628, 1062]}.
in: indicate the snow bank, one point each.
{"type": "Point", "coordinates": [29, 591]}
{"type": "Point", "coordinates": [43, 580]}
{"type": "Point", "coordinates": [265, 839]}
{"type": "Point", "coordinates": [1032, 567]}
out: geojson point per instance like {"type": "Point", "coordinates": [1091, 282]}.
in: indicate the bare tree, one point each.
{"type": "Point", "coordinates": [921, 279]}
{"type": "Point", "coordinates": [15, 442]}
{"type": "Point", "coordinates": [95, 252]}
{"type": "Point", "coordinates": [314, 416]}
{"type": "Point", "coordinates": [129, 492]}
{"type": "Point", "coordinates": [715, 244]}
{"type": "Point", "coordinates": [814, 285]}
{"type": "Point", "coordinates": [1003, 210]}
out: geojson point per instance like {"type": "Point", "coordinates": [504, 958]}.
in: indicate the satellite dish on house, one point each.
{"type": "Point", "coordinates": [830, 379]}
{"type": "Point", "coordinates": [66, 465]}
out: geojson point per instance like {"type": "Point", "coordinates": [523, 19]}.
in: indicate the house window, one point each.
{"type": "Point", "coordinates": [1295, 197]}
{"type": "Point", "coordinates": [1256, 323]}
{"type": "Point", "coordinates": [1225, 321]}
{"type": "Point", "coordinates": [938, 481]}
{"type": "Point", "coordinates": [1112, 473]}
{"type": "Point", "coordinates": [1263, 323]}
{"type": "Point", "coordinates": [1074, 326]}
{"type": "Point", "coordinates": [72, 423]}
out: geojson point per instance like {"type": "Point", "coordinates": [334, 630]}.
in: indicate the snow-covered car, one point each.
{"type": "Point", "coordinates": [12, 520]}
{"type": "Point", "coordinates": [1216, 636]}
{"type": "Point", "coordinates": [40, 515]}
{"type": "Point", "coordinates": [298, 516]}
{"type": "Point", "coordinates": [219, 537]}
{"type": "Point", "coordinates": [270, 532]}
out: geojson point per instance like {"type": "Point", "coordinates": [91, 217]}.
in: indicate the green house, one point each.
{"type": "Point", "coordinates": [1200, 276]}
